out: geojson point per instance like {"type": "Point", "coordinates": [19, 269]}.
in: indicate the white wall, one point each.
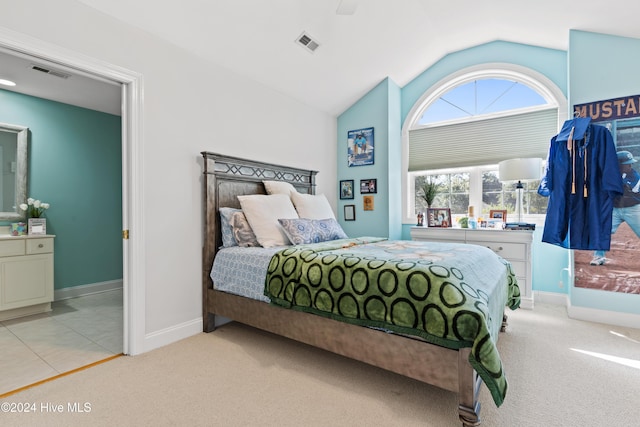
{"type": "Point", "coordinates": [189, 106]}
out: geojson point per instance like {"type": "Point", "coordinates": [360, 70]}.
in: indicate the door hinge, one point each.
{"type": "Point", "coordinates": [125, 234]}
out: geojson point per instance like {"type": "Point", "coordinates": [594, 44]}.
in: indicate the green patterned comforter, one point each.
{"type": "Point", "coordinates": [452, 295]}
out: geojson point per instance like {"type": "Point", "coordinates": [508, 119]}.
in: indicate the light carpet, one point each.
{"type": "Point", "coordinates": [239, 376]}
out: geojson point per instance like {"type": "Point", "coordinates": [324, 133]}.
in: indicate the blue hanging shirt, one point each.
{"type": "Point", "coordinates": [582, 179]}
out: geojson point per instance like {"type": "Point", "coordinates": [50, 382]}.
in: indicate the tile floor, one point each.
{"type": "Point", "coordinates": [77, 332]}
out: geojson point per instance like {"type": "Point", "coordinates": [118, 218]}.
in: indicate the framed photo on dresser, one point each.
{"type": "Point", "coordinates": [37, 226]}
{"type": "Point", "coordinates": [498, 214]}
{"type": "Point", "coordinates": [439, 217]}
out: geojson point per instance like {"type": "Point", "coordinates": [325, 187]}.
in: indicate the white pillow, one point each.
{"type": "Point", "coordinates": [263, 211]}
{"type": "Point", "coordinates": [279, 187]}
{"type": "Point", "coordinates": [312, 206]}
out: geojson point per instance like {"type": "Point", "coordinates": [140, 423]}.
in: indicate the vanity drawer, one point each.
{"type": "Point", "coordinates": [39, 246]}
{"type": "Point", "coordinates": [10, 247]}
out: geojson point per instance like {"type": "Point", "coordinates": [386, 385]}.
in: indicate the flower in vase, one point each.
{"type": "Point", "coordinates": [34, 208]}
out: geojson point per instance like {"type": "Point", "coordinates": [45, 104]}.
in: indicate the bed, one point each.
{"type": "Point", "coordinates": [419, 355]}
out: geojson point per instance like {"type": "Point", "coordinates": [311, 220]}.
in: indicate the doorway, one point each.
{"type": "Point", "coordinates": [131, 95]}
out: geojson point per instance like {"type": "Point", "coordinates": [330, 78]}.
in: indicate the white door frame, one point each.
{"type": "Point", "coordinates": [133, 276]}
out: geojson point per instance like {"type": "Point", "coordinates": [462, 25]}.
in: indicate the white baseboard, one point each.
{"type": "Point", "coordinates": [628, 320]}
{"type": "Point", "coordinates": [25, 311]}
{"type": "Point", "coordinates": [172, 334]}
{"type": "Point", "coordinates": [91, 288]}
{"type": "Point", "coordinates": [152, 340]}
{"type": "Point", "coordinates": [552, 298]}
{"type": "Point", "coordinates": [589, 314]}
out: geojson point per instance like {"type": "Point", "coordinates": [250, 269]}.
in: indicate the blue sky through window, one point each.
{"type": "Point", "coordinates": [481, 97]}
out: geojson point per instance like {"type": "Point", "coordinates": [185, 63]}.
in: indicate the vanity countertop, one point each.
{"type": "Point", "coordinates": [5, 234]}
{"type": "Point", "coordinates": [25, 236]}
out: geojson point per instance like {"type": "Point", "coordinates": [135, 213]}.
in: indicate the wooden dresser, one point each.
{"type": "Point", "coordinates": [512, 245]}
{"type": "Point", "coordinates": [26, 275]}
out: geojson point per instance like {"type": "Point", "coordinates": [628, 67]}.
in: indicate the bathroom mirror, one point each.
{"type": "Point", "coordinates": [13, 171]}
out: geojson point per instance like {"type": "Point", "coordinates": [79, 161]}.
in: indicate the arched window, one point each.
{"type": "Point", "coordinates": [482, 96]}
{"type": "Point", "coordinates": [463, 126]}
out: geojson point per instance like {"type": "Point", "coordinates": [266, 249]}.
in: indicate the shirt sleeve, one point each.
{"type": "Point", "coordinates": [546, 183]}
{"type": "Point", "coordinates": [611, 179]}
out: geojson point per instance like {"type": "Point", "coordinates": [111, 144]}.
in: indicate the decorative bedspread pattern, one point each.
{"type": "Point", "coordinates": [452, 295]}
{"type": "Point", "coordinates": [241, 271]}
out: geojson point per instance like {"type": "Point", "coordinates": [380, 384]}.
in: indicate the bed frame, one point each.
{"type": "Point", "coordinates": [227, 177]}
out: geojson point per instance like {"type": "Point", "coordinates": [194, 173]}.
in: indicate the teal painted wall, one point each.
{"type": "Point", "coordinates": [599, 68]}
{"type": "Point", "coordinates": [380, 109]}
{"type": "Point", "coordinates": [75, 165]}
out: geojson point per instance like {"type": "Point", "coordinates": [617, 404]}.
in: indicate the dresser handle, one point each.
{"type": "Point", "coordinates": [41, 245]}
{"type": "Point", "coordinates": [495, 250]}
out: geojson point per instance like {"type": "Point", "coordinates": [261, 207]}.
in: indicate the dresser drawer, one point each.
{"type": "Point", "coordinates": [11, 247]}
{"type": "Point", "coordinates": [505, 250]}
{"type": "Point", "coordinates": [39, 246]}
{"type": "Point", "coordinates": [435, 234]}
{"type": "Point", "coordinates": [522, 284]}
{"type": "Point", "coordinates": [519, 268]}
{"type": "Point", "coordinates": [514, 246]}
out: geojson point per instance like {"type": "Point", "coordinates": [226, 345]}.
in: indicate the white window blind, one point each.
{"type": "Point", "coordinates": [483, 142]}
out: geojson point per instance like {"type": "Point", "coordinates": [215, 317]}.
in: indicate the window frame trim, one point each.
{"type": "Point", "coordinates": [533, 79]}
{"type": "Point", "coordinates": [475, 181]}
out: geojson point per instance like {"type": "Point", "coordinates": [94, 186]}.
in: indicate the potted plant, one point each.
{"type": "Point", "coordinates": [35, 210]}
{"type": "Point", "coordinates": [428, 191]}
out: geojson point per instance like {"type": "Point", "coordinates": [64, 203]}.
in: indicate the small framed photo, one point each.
{"type": "Point", "coordinates": [367, 202]}
{"type": "Point", "coordinates": [349, 212]}
{"type": "Point", "coordinates": [368, 186]}
{"type": "Point", "coordinates": [346, 189]}
{"type": "Point", "coordinates": [439, 217]}
{"type": "Point", "coordinates": [37, 226]}
{"type": "Point", "coordinates": [498, 214]}
{"type": "Point", "coordinates": [360, 147]}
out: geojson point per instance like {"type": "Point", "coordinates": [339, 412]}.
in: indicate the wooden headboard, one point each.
{"type": "Point", "coordinates": [225, 178]}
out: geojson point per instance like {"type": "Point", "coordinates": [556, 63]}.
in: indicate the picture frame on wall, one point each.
{"type": "Point", "coordinates": [346, 189]}
{"type": "Point", "coordinates": [368, 186]}
{"type": "Point", "coordinates": [360, 147]}
{"type": "Point", "coordinates": [367, 202]}
{"type": "Point", "coordinates": [439, 217]}
{"type": "Point", "coordinates": [349, 212]}
{"type": "Point", "coordinates": [617, 270]}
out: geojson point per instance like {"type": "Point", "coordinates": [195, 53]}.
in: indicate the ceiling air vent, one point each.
{"type": "Point", "coordinates": [50, 71]}
{"type": "Point", "coordinates": [307, 42]}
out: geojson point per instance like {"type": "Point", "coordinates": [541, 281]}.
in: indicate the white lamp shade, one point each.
{"type": "Point", "coordinates": [529, 169]}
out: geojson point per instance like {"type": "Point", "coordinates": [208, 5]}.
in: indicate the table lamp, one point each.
{"type": "Point", "coordinates": [519, 170]}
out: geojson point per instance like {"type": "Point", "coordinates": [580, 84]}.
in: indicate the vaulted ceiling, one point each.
{"type": "Point", "coordinates": [361, 42]}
